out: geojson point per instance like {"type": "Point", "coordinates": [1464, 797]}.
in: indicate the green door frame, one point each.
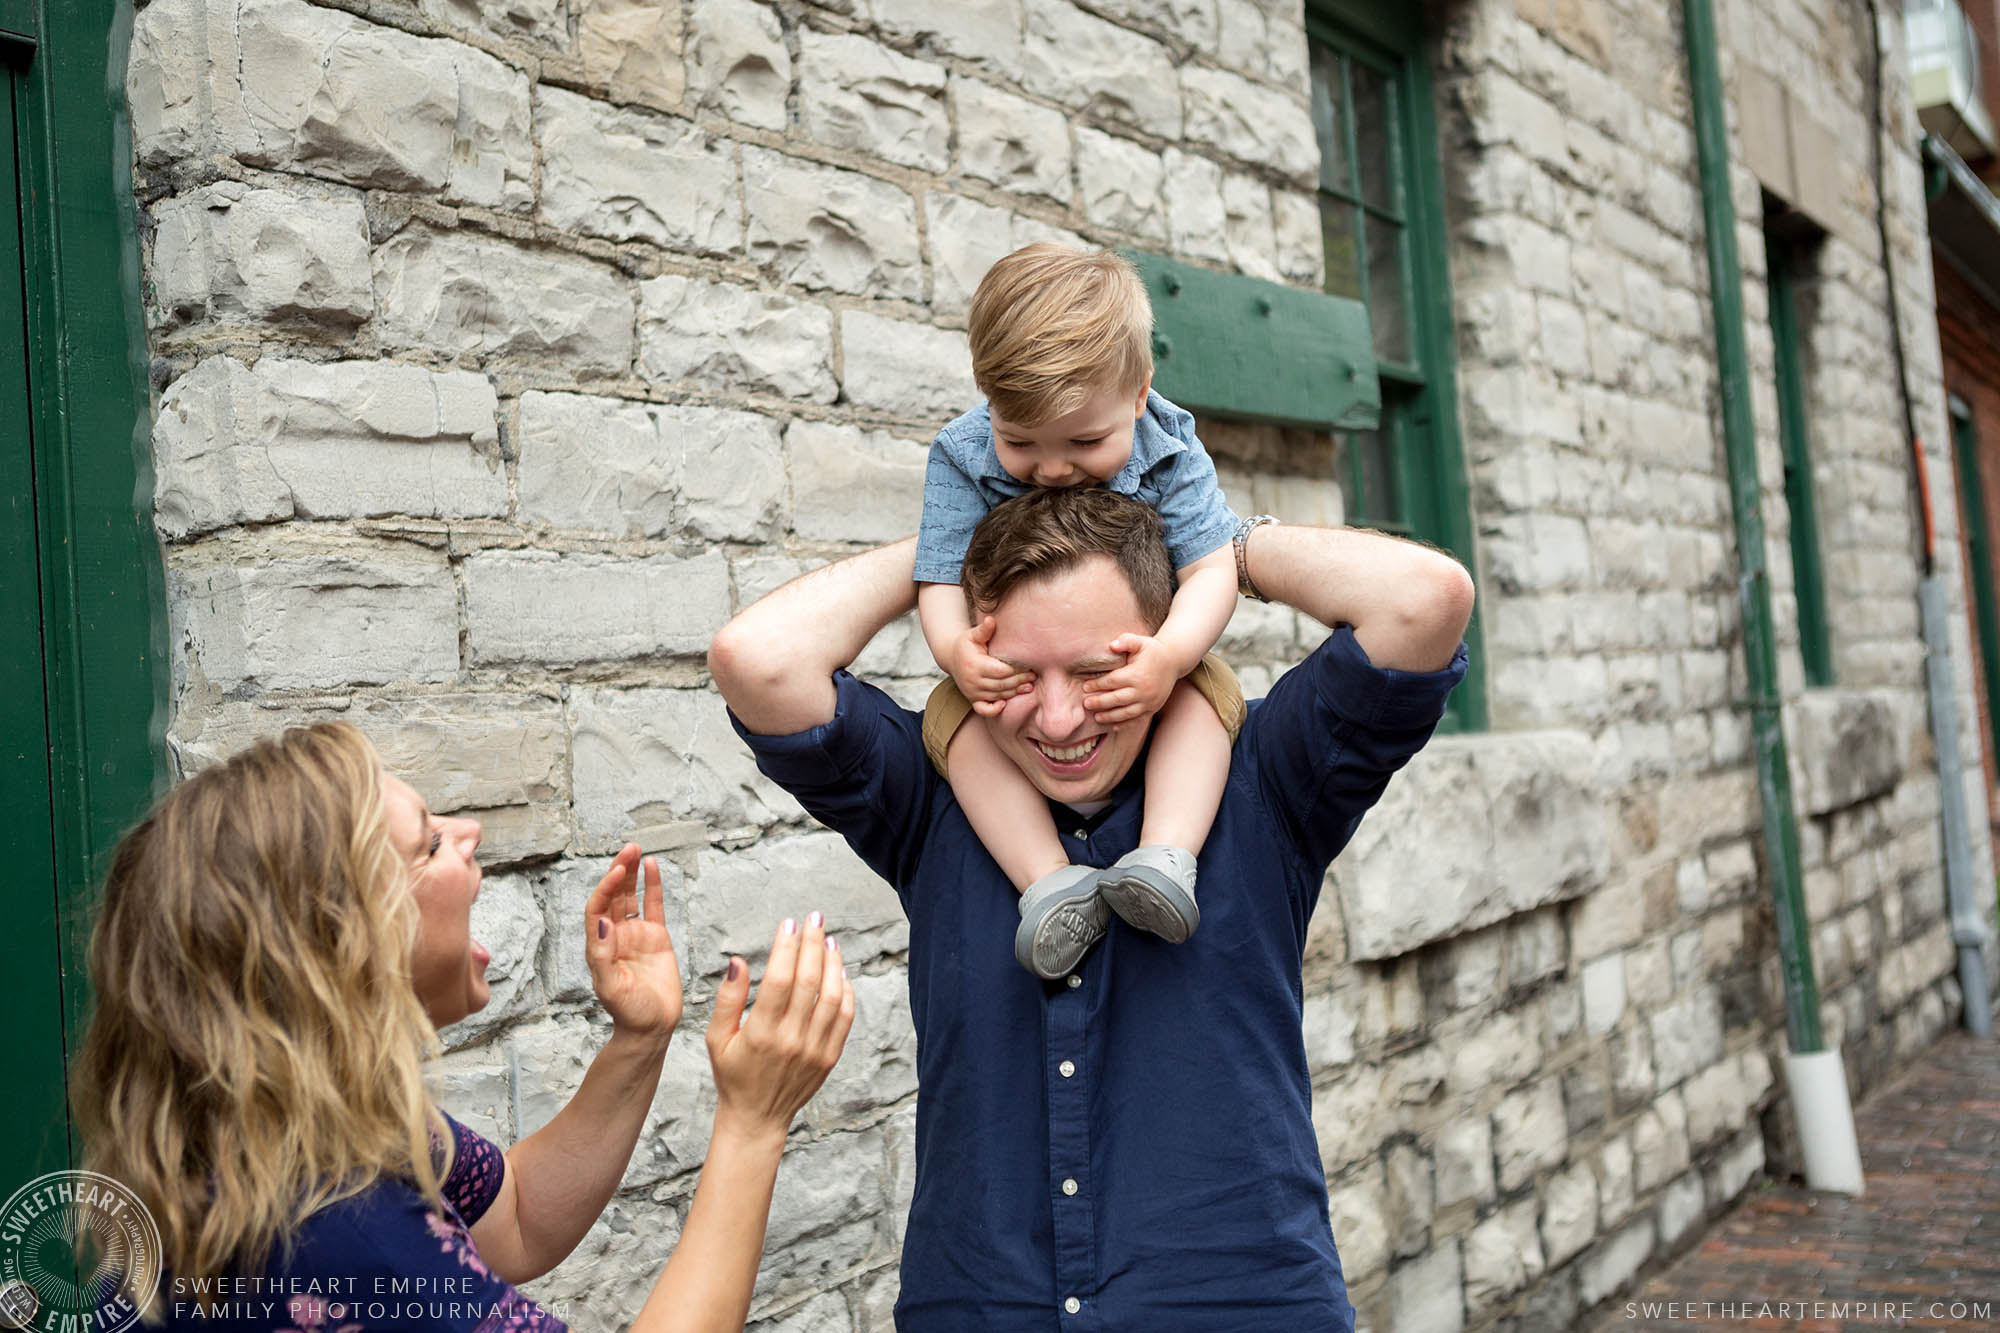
{"type": "Point", "coordinates": [94, 719]}
{"type": "Point", "coordinates": [1979, 554]}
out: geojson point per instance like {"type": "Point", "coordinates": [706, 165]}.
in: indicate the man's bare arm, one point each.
{"type": "Point", "coordinates": [774, 662]}
{"type": "Point", "coordinates": [1408, 604]}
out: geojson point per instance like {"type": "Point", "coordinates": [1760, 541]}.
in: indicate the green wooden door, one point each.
{"type": "Point", "coordinates": [31, 1042]}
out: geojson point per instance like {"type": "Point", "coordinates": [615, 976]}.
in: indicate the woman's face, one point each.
{"type": "Point", "coordinates": [449, 969]}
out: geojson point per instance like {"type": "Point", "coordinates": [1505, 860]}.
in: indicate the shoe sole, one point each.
{"type": "Point", "coordinates": [1147, 900]}
{"type": "Point", "coordinates": [1056, 955]}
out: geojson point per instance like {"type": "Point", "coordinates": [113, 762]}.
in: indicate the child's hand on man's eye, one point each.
{"type": "Point", "coordinates": [984, 679]}
{"type": "Point", "coordinates": [1137, 689]}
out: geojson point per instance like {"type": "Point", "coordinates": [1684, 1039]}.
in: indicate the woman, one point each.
{"type": "Point", "coordinates": [279, 941]}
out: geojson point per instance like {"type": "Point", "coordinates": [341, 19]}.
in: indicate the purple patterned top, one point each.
{"type": "Point", "coordinates": [383, 1259]}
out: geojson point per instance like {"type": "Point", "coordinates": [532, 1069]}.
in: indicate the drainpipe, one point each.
{"type": "Point", "coordinates": [1816, 1076]}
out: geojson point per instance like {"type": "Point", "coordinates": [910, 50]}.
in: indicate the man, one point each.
{"type": "Point", "coordinates": [1130, 1147]}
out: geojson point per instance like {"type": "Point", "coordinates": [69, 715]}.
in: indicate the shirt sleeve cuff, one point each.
{"type": "Point", "coordinates": [811, 757]}
{"type": "Point", "coordinates": [1375, 696]}
{"type": "Point", "coordinates": [1205, 540]}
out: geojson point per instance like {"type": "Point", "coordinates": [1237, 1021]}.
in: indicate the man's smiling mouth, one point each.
{"type": "Point", "coordinates": [1069, 755]}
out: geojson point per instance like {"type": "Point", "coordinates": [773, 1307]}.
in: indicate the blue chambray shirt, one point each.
{"type": "Point", "coordinates": [1131, 1148]}
{"type": "Point", "coordinates": [1169, 472]}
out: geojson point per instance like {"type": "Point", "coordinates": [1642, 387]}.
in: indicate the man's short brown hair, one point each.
{"type": "Point", "coordinates": [1051, 325]}
{"type": "Point", "coordinates": [1049, 532]}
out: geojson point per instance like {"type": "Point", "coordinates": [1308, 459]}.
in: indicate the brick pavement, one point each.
{"type": "Point", "coordinates": [1921, 1249]}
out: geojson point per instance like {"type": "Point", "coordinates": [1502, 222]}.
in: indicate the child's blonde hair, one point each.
{"type": "Point", "coordinates": [1052, 325]}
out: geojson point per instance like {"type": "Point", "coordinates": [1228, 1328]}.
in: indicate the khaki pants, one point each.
{"type": "Point", "coordinates": [947, 708]}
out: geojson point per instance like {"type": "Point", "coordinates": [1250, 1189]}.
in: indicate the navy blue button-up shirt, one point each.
{"type": "Point", "coordinates": [1131, 1147]}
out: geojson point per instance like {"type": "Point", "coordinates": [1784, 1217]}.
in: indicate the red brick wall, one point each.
{"type": "Point", "coordinates": [1969, 329]}
{"type": "Point", "coordinates": [1985, 17]}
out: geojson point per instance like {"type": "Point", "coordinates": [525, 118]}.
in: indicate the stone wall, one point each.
{"type": "Point", "coordinates": [506, 347]}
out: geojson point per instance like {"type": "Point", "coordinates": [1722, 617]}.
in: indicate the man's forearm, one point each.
{"type": "Point", "coordinates": [774, 662]}
{"type": "Point", "coordinates": [1408, 603]}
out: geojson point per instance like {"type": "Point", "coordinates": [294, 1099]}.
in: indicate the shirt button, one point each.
{"type": "Point", "coordinates": [1074, 981]}
{"type": "Point", "coordinates": [1069, 1187]}
{"type": "Point", "coordinates": [1072, 1305]}
{"type": "Point", "coordinates": [1066, 1068]}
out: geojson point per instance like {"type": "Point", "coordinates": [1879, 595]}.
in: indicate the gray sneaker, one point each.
{"type": "Point", "coordinates": [1152, 889]}
{"type": "Point", "coordinates": [1062, 916]}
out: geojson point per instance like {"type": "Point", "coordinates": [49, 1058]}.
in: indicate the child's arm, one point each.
{"type": "Point", "coordinates": [960, 649]}
{"type": "Point", "coordinates": [1201, 610]}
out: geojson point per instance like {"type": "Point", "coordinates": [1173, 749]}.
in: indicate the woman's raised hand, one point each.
{"type": "Point", "coordinates": [631, 956]}
{"type": "Point", "coordinates": [770, 1061]}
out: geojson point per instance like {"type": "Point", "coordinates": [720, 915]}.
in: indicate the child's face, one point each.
{"type": "Point", "coordinates": [1087, 447]}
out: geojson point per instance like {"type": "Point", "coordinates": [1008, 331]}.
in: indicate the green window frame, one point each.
{"type": "Point", "coordinates": [1783, 261]}
{"type": "Point", "coordinates": [1381, 199]}
{"type": "Point", "coordinates": [1979, 554]}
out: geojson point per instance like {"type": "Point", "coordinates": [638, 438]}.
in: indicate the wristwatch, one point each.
{"type": "Point", "coordinates": [1244, 583]}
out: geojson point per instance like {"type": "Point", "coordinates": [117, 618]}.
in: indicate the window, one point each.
{"type": "Point", "coordinates": [1787, 261]}
{"type": "Point", "coordinates": [1382, 218]}
{"type": "Point", "coordinates": [1972, 510]}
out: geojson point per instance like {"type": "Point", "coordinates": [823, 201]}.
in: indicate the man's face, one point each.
{"type": "Point", "coordinates": [1061, 629]}
{"type": "Point", "coordinates": [1086, 447]}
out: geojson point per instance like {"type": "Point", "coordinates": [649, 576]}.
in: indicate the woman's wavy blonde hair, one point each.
{"type": "Point", "coordinates": [257, 1050]}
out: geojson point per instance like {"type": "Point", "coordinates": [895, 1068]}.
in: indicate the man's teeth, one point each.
{"type": "Point", "coordinates": [1069, 754]}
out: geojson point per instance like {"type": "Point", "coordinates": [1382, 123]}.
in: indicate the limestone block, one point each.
{"type": "Point", "coordinates": [537, 606]}
{"type": "Point", "coordinates": [171, 83]}
{"type": "Point", "coordinates": [306, 439]}
{"type": "Point", "coordinates": [350, 614]}
{"type": "Point", "coordinates": [323, 92]}
{"type": "Point", "coordinates": [823, 227]}
{"type": "Point", "coordinates": [1247, 231]}
{"type": "Point", "coordinates": [823, 1212]}
{"type": "Point", "coordinates": [1330, 1023]}
{"type": "Point", "coordinates": [1659, 1143]}
{"type": "Point", "coordinates": [1190, 21]}
{"type": "Point", "coordinates": [734, 485]}
{"type": "Point", "coordinates": [1739, 1164]}
{"type": "Point", "coordinates": [1250, 122]}
{"type": "Point", "coordinates": [1016, 144]}
{"type": "Point", "coordinates": [737, 62]}
{"type": "Point", "coordinates": [1502, 1051]}
{"type": "Point", "coordinates": [1604, 993]}
{"type": "Point", "coordinates": [508, 921]}
{"type": "Point", "coordinates": [1463, 1161]}
{"type": "Point", "coordinates": [1099, 68]}
{"type": "Point", "coordinates": [1569, 1213]}
{"type": "Point", "coordinates": [1411, 1199]}
{"type": "Point", "coordinates": [597, 464]}
{"type": "Point", "coordinates": [539, 21]}
{"type": "Point", "coordinates": [1649, 977]}
{"type": "Point", "coordinates": [632, 47]}
{"type": "Point", "coordinates": [1429, 1293]}
{"type": "Point", "coordinates": [1680, 1209]}
{"type": "Point", "coordinates": [906, 369]}
{"type": "Point", "coordinates": [1121, 185]}
{"type": "Point", "coordinates": [985, 32]}
{"type": "Point", "coordinates": [1614, 1262]}
{"type": "Point", "coordinates": [1614, 1180]}
{"type": "Point", "coordinates": [900, 653]}
{"type": "Point", "coordinates": [738, 897]}
{"type": "Point", "coordinates": [1850, 745]}
{"type": "Point", "coordinates": [1530, 1134]}
{"type": "Point", "coordinates": [1687, 1036]}
{"type": "Point", "coordinates": [1631, 1068]}
{"type": "Point", "coordinates": [645, 759]}
{"type": "Point", "coordinates": [878, 1066]}
{"type": "Point", "coordinates": [613, 1268]}
{"type": "Point", "coordinates": [966, 238]}
{"type": "Point", "coordinates": [1197, 218]}
{"type": "Point", "coordinates": [1503, 1254]}
{"type": "Point", "coordinates": [472, 1084]}
{"type": "Point", "coordinates": [821, 1314]}
{"type": "Point", "coordinates": [1358, 1211]}
{"type": "Point", "coordinates": [854, 93]}
{"type": "Point", "coordinates": [1300, 245]}
{"type": "Point", "coordinates": [1715, 1103]}
{"type": "Point", "coordinates": [854, 485]}
{"type": "Point", "coordinates": [1528, 829]}
{"type": "Point", "coordinates": [472, 294]}
{"type": "Point", "coordinates": [231, 252]}
{"type": "Point", "coordinates": [499, 758]}
{"type": "Point", "coordinates": [633, 176]}
{"type": "Point", "coordinates": [719, 336]}
{"type": "Point", "coordinates": [1263, 41]}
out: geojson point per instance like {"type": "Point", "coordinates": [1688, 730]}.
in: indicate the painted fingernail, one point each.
{"type": "Point", "coordinates": [735, 968]}
{"type": "Point", "coordinates": [603, 927]}
{"type": "Point", "coordinates": [790, 927]}
{"type": "Point", "coordinates": [815, 920]}
{"type": "Point", "coordinates": [832, 945]}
